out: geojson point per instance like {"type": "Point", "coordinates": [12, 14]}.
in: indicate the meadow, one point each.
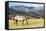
{"type": "Point", "coordinates": [31, 23]}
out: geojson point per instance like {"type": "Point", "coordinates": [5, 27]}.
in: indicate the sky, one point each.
{"type": "Point", "coordinates": [38, 8]}
{"type": "Point", "coordinates": [25, 4]}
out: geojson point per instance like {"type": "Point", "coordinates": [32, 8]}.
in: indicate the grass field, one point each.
{"type": "Point", "coordinates": [31, 23]}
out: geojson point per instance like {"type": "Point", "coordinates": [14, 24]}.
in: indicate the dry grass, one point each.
{"type": "Point", "coordinates": [31, 23]}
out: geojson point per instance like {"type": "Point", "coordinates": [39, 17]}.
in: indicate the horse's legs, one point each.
{"type": "Point", "coordinates": [23, 22]}
{"type": "Point", "coordinates": [16, 22]}
{"type": "Point", "coordinates": [26, 21]}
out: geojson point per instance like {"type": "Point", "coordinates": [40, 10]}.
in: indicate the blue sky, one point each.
{"type": "Point", "coordinates": [38, 8]}
{"type": "Point", "coordinates": [25, 4]}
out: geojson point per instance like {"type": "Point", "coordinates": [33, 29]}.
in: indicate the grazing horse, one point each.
{"type": "Point", "coordinates": [19, 18]}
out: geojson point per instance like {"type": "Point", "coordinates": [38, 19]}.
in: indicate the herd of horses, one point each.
{"type": "Point", "coordinates": [20, 18]}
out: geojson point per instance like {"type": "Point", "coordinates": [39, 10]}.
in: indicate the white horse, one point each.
{"type": "Point", "coordinates": [19, 18]}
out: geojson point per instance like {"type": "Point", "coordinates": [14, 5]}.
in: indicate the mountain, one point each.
{"type": "Point", "coordinates": [23, 10]}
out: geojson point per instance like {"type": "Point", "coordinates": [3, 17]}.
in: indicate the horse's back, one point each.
{"type": "Point", "coordinates": [19, 17]}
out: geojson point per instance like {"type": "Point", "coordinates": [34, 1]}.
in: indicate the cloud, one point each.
{"type": "Point", "coordinates": [25, 4]}
{"type": "Point", "coordinates": [27, 9]}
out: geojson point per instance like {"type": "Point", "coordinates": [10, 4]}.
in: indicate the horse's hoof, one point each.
{"type": "Point", "coordinates": [16, 25]}
{"type": "Point", "coordinates": [27, 23]}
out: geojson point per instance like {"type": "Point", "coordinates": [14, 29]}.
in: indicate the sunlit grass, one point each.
{"type": "Point", "coordinates": [31, 23]}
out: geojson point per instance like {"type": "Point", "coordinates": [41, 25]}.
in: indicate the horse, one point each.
{"type": "Point", "coordinates": [19, 18]}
